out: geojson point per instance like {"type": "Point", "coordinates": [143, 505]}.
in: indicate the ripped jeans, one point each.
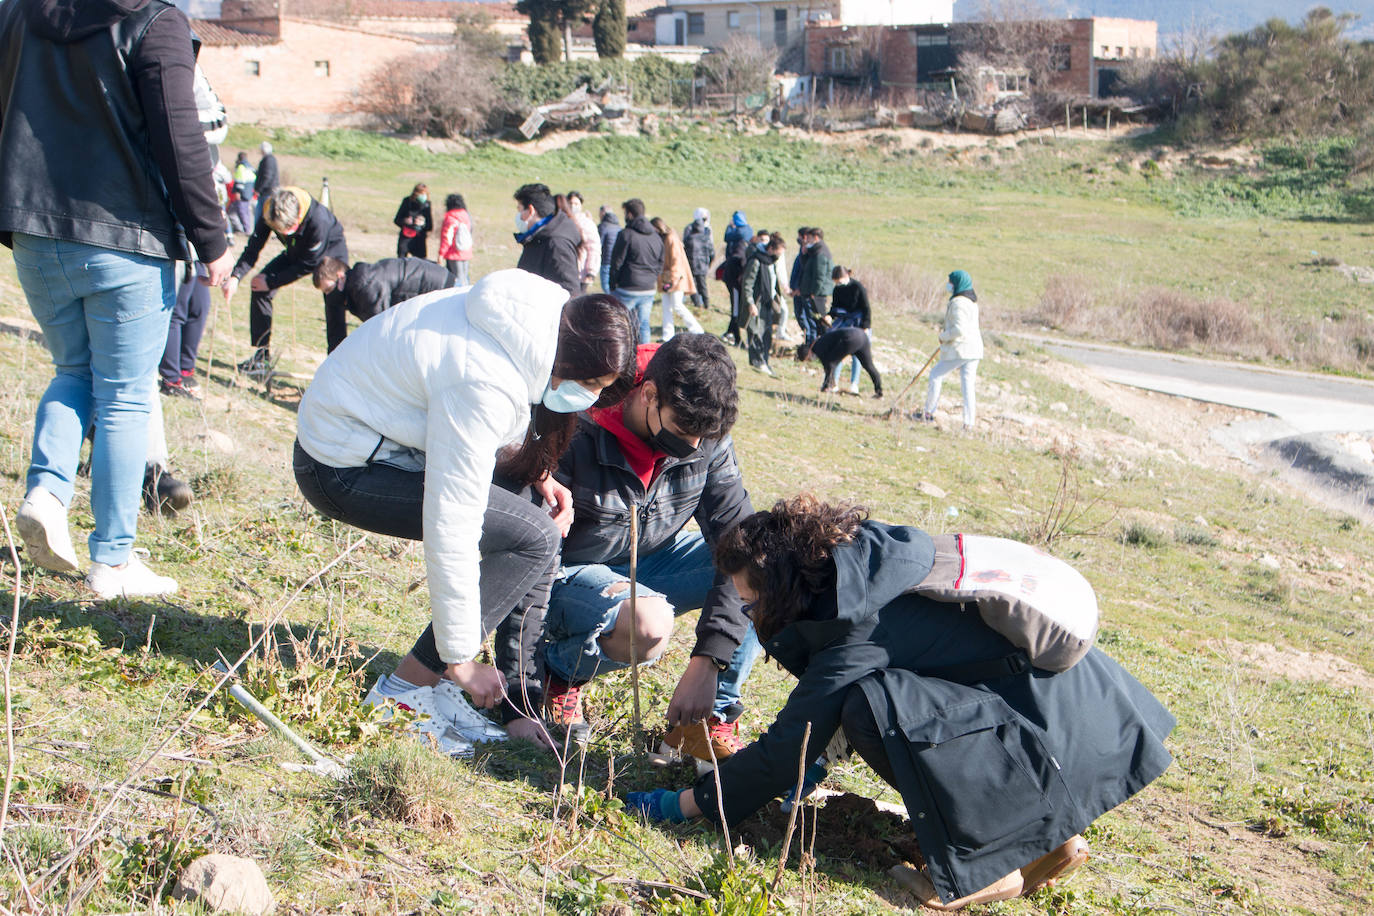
{"type": "Point", "coordinates": [585, 602]}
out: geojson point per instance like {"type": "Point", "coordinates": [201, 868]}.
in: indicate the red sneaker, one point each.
{"type": "Point", "coordinates": [563, 706]}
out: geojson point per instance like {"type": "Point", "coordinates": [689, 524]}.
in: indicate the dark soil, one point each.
{"type": "Point", "coordinates": [849, 828]}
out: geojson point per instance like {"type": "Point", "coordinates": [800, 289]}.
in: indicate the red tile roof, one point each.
{"type": "Point", "coordinates": [393, 9]}
{"type": "Point", "coordinates": [216, 34]}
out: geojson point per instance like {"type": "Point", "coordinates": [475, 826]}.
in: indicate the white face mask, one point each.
{"type": "Point", "coordinates": [568, 397]}
{"type": "Point", "coordinates": [520, 225]}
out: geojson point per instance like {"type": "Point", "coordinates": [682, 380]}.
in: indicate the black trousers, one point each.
{"type": "Point", "coordinates": [416, 246]}
{"type": "Point", "coordinates": [519, 542]}
{"type": "Point", "coordinates": [701, 298]}
{"type": "Point", "coordinates": [284, 271]}
{"type": "Point", "coordinates": [865, 735]}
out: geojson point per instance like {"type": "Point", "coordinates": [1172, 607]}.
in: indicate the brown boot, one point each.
{"type": "Point", "coordinates": [1007, 887]}
{"type": "Point", "coordinates": [1055, 864]}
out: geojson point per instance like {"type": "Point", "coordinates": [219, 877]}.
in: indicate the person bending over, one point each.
{"type": "Point", "coordinates": [1001, 766]}
{"type": "Point", "coordinates": [833, 347]}
{"type": "Point", "coordinates": [370, 289]}
{"type": "Point", "coordinates": [309, 233]}
{"type": "Point", "coordinates": [399, 434]}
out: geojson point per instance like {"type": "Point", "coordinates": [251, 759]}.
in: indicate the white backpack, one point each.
{"type": "Point", "coordinates": [1038, 602]}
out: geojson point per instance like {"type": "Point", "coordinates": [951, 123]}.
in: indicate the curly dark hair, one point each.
{"type": "Point", "coordinates": [595, 338]}
{"type": "Point", "coordinates": [696, 378]}
{"type": "Point", "coordinates": [786, 555]}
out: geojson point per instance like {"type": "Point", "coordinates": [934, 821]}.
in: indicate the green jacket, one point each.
{"type": "Point", "coordinates": [816, 279]}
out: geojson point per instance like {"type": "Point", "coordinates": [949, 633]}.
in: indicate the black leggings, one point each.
{"type": "Point", "coordinates": [519, 540]}
{"type": "Point", "coordinates": [865, 356]}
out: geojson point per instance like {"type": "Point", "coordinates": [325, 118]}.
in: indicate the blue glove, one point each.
{"type": "Point", "coordinates": [658, 805]}
{"type": "Point", "coordinates": [815, 775]}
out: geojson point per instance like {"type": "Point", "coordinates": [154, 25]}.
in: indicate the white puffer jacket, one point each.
{"type": "Point", "coordinates": [440, 382]}
{"type": "Point", "coordinates": [960, 337]}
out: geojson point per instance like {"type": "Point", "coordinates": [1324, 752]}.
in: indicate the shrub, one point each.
{"type": "Point", "coordinates": [1139, 534]}
{"type": "Point", "coordinates": [420, 94]}
{"type": "Point", "coordinates": [1066, 301]}
{"type": "Point", "coordinates": [741, 67]}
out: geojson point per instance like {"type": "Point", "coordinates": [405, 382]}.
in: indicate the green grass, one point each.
{"type": "Point", "coordinates": [1274, 773]}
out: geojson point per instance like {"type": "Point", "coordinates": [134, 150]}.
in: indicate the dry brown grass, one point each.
{"type": "Point", "coordinates": [1171, 319]}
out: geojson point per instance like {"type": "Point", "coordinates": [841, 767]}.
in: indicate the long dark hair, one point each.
{"type": "Point", "coordinates": [595, 338]}
{"type": "Point", "coordinates": [787, 555]}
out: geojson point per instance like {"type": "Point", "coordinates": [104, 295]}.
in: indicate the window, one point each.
{"type": "Point", "coordinates": [696, 23]}
{"type": "Point", "coordinates": [932, 41]}
{"type": "Point", "coordinates": [1105, 50]}
{"type": "Point", "coordinates": [321, 68]}
{"type": "Point", "coordinates": [1120, 51]}
{"type": "Point", "coordinates": [253, 67]}
{"type": "Point", "coordinates": [837, 59]}
{"type": "Point", "coordinates": [779, 27]}
{"type": "Point", "coordinates": [732, 19]}
{"type": "Point", "coordinates": [1061, 57]}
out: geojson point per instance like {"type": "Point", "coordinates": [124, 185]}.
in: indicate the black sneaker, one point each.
{"type": "Point", "coordinates": [163, 492]}
{"type": "Point", "coordinates": [176, 389]}
{"type": "Point", "coordinates": [258, 366]}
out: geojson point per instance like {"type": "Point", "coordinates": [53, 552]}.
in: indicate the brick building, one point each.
{"type": "Point", "coordinates": [1086, 54]}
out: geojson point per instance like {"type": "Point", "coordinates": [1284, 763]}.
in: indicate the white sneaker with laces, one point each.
{"type": "Point", "coordinates": [431, 724]}
{"type": "Point", "coordinates": [42, 524]}
{"type": "Point", "coordinates": [466, 720]}
{"type": "Point", "coordinates": [132, 580]}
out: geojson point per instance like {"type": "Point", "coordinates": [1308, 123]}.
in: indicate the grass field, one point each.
{"type": "Point", "coordinates": [1246, 610]}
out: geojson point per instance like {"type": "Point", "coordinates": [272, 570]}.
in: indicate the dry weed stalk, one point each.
{"type": "Point", "coordinates": [9, 661]}
{"type": "Point", "coordinates": [796, 808]}
{"type": "Point", "coordinates": [59, 868]}
{"type": "Point", "coordinates": [720, 794]}
{"type": "Point", "coordinates": [1060, 519]}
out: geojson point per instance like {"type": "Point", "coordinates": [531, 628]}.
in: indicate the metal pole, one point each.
{"type": "Point", "coordinates": [250, 702]}
{"type": "Point", "coordinates": [634, 624]}
{"type": "Point", "coordinates": [919, 372]}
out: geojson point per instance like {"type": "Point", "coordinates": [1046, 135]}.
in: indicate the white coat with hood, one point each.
{"type": "Point", "coordinates": [440, 383]}
{"type": "Point", "coordinates": [960, 337]}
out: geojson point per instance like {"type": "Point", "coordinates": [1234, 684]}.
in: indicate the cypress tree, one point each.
{"type": "Point", "coordinates": [609, 29]}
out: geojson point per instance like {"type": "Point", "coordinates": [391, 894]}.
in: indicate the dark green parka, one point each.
{"type": "Point", "coordinates": [993, 774]}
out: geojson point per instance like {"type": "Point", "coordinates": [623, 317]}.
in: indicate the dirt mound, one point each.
{"type": "Point", "coordinates": [849, 828]}
{"type": "Point", "coordinates": [1297, 665]}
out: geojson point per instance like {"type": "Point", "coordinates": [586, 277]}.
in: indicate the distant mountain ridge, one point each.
{"type": "Point", "coordinates": [1221, 17]}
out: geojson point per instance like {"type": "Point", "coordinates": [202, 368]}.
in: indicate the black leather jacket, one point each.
{"type": "Point", "coordinates": [551, 252]}
{"type": "Point", "coordinates": [373, 288]}
{"type": "Point", "coordinates": [100, 141]}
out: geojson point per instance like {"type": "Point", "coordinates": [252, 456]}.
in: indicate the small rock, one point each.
{"type": "Point", "coordinates": [1059, 407]}
{"type": "Point", "coordinates": [1097, 482]}
{"type": "Point", "coordinates": [1268, 562]}
{"type": "Point", "coordinates": [1200, 521]}
{"type": "Point", "coordinates": [951, 512]}
{"type": "Point", "coordinates": [226, 884]}
{"type": "Point", "coordinates": [218, 441]}
{"type": "Point", "coordinates": [929, 489]}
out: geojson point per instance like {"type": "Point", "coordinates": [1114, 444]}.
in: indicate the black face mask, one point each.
{"type": "Point", "coordinates": [670, 444]}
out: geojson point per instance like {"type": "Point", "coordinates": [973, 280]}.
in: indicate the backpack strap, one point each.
{"type": "Point", "coordinates": [984, 670]}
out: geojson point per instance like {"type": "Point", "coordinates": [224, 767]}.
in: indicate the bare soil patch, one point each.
{"type": "Point", "coordinates": [849, 828]}
{"type": "Point", "coordinates": [1300, 665]}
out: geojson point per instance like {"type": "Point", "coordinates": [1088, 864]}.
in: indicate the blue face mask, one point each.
{"type": "Point", "coordinates": [568, 397]}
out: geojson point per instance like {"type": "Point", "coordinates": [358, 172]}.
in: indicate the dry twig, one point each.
{"type": "Point", "coordinates": [9, 661]}
{"type": "Point", "coordinates": [796, 807]}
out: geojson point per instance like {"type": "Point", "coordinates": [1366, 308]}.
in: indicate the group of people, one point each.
{"type": "Point", "coordinates": [516, 426]}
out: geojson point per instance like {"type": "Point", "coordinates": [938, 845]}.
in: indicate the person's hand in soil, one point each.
{"type": "Point", "coordinates": [695, 693]}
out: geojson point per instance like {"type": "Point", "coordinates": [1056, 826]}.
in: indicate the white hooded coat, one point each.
{"type": "Point", "coordinates": [440, 383]}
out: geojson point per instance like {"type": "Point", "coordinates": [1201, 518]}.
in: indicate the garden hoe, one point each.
{"type": "Point", "coordinates": [892, 411]}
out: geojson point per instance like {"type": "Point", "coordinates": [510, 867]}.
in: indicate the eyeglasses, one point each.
{"type": "Point", "coordinates": [749, 608]}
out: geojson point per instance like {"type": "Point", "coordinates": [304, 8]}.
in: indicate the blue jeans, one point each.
{"type": "Point", "coordinates": [580, 611]}
{"type": "Point", "coordinates": [606, 275]}
{"type": "Point", "coordinates": [801, 308]}
{"type": "Point", "coordinates": [640, 305]}
{"type": "Point", "coordinates": [104, 316]}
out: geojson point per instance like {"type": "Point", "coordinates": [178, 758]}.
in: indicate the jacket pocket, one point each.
{"type": "Point", "coordinates": [986, 772]}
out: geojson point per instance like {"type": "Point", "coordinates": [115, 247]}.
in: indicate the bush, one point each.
{"type": "Point", "coordinates": [420, 94]}
{"type": "Point", "coordinates": [1065, 302]}
{"type": "Point", "coordinates": [609, 29]}
{"type": "Point", "coordinates": [651, 79]}
{"type": "Point", "coordinates": [741, 67]}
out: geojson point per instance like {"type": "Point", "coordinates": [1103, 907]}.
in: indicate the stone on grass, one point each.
{"type": "Point", "coordinates": [226, 884]}
{"type": "Point", "coordinates": [929, 489]}
{"type": "Point", "coordinates": [1268, 562]}
{"type": "Point", "coordinates": [218, 441]}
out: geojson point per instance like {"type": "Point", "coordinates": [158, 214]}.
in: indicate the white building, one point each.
{"type": "Point", "coordinates": [777, 23]}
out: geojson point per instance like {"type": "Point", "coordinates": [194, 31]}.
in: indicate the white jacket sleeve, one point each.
{"type": "Point", "coordinates": [466, 425]}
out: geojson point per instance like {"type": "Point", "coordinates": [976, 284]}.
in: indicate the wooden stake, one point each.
{"type": "Point", "coordinates": [634, 624]}
{"type": "Point", "coordinates": [796, 806]}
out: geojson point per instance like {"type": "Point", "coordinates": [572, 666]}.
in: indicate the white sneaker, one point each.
{"type": "Point", "coordinates": [853, 389]}
{"type": "Point", "coordinates": [42, 524]}
{"type": "Point", "coordinates": [132, 580]}
{"type": "Point", "coordinates": [467, 721]}
{"type": "Point", "coordinates": [430, 724]}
